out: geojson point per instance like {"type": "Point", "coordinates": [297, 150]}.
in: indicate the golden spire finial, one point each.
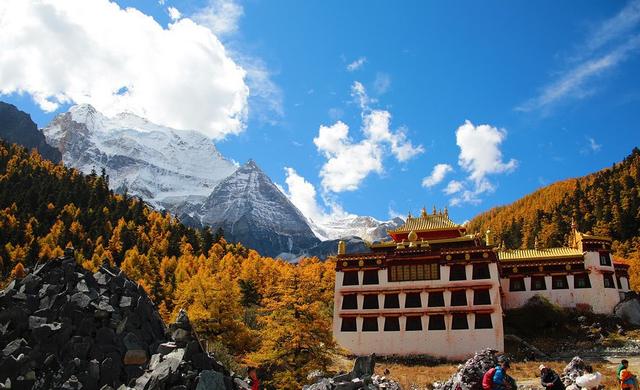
{"type": "Point", "coordinates": [409, 216]}
{"type": "Point", "coordinates": [446, 212]}
{"type": "Point", "coordinates": [342, 247]}
{"type": "Point", "coordinates": [535, 243]}
{"type": "Point", "coordinates": [434, 210]}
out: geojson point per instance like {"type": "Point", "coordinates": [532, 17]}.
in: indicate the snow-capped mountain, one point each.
{"type": "Point", "coordinates": [252, 210]}
{"type": "Point", "coordinates": [168, 168]}
{"type": "Point", "coordinates": [367, 228]}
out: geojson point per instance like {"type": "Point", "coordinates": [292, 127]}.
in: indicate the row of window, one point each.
{"type": "Point", "coordinates": [414, 300]}
{"type": "Point", "coordinates": [412, 272]}
{"type": "Point", "coordinates": [559, 282]}
{"type": "Point", "coordinates": [414, 323]}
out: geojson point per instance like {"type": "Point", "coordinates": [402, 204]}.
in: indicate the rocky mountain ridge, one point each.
{"type": "Point", "coordinates": [17, 127]}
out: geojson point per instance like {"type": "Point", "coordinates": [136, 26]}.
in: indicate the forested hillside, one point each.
{"type": "Point", "coordinates": [605, 203]}
{"type": "Point", "coordinates": [251, 309]}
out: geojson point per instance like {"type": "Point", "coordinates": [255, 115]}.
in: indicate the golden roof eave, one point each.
{"type": "Point", "coordinates": [518, 255]}
{"type": "Point", "coordinates": [393, 244]}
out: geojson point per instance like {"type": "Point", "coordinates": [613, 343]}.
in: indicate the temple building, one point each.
{"type": "Point", "coordinates": [436, 290]}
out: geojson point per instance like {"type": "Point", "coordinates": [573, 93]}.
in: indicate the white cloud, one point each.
{"type": "Point", "coordinates": [303, 195]}
{"type": "Point", "coordinates": [348, 162]}
{"type": "Point", "coordinates": [591, 147]}
{"type": "Point", "coordinates": [68, 51]}
{"type": "Point", "coordinates": [266, 97]}
{"type": "Point", "coordinates": [610, 43]}
{"type": "Point", "coordinates": [381, 83]}
{"type": "Point", "coordinates": [357, 64]}
{"type": "Point", "coordinates": [437, 175]}
{"type": "Point", "coordinates": [220, 16]}
{"type": "Point", "coordinates": [480, 156]}
{"type": "Point", "coordinates": [454, 186]}
{"type": "Point", "coordinates": [174, 14]}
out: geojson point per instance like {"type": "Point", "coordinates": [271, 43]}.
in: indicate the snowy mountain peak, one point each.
{"type": "Point", "coordinates": [250, 208]}
{"type": "Point", "coordinates": [158, 163]}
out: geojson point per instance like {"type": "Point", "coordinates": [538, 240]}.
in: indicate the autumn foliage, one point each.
{"type": "Point", "coordinates": [251, 309]}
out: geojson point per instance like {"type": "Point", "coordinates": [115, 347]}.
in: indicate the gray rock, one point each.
{"type": "Point", "coordinates": [210, 380]}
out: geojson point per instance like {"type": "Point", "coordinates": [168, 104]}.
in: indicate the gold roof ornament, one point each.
{"type": "Point", "coordinates": [409, 216]}
{"type": "Point", "coordinates": [536, 246]}
{"type": "Point", "coordinates": [446, 212]}
{"type": "Point", "coordinates": [342, 247]}
{"type": "Point", "coordinates": [413, 236]}
{"type": "Point", "coordinates": [423, 214]}
{"type": "Point", "coordinates": [488, 238]}
{"type": "Point", "coordinates": [434, 210]}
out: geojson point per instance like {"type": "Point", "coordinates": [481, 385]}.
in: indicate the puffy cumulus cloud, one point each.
{"type": "Point", "coordinates": [174, 14]}
{"type": "Point", "coordinates": [357, 64]}
{"type": "Point", "coordinates": [454, 186]}
{"type": "Point", "coordinates": [480, 156]}
{"type": "Point", "coordinates": [67, 51]}
{"type": "Point", "coordinates": [437, 175]}
{"type": "Point", "coordinates": [480, 153]}
{"type": "Point", "coordinates": [303, 195]}
{"type": "Point", "coordinates": [220, 16]}
{"type": "Point", "coordinates": [349, 162]}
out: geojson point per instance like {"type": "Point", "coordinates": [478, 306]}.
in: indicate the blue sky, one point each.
{"type": "Point", "coordinates": [551, 90]}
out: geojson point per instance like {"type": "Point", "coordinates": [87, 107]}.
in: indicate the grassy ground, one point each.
{"type": "Point", "coordinates": [420, 376]}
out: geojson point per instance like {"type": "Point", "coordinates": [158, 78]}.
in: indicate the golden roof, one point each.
{"type": "Point", "coordinates": [584, 236]}
{"type": "Point", "coordinates": [391, 243]}
{"type": "Point", "coordinates": [536, 254]}
{"type": "Point", "coordinates": [427, 222]}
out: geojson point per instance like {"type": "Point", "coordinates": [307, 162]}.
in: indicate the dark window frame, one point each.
{"type": "Point", "coordinates": [435, 299]}
{"type": "Point", "coordinates": [512, 286]}
{"type": "Point", "coordinates": [347, 301]}
{"type": "Point", "coordinates": [370, 277]}
{"type": "Point", "coordinates": [410, 300]}
{"type": "Point", "coordinates": [391, 301]}
{"type": "Point", "coordinates": [391, 324]}
{"type": "Point", "coordinates": [437, 322]}
{"type": "Point", "coordinates": [413, 323]}
{"type": "Point", "coordinates": [538, 278]}
{"type": "Point", "coordinates": [482, 297]}
{"type": "Point", "coordinates": [581, 277]}
{"type": "Point", "coordinates": [368, 300]}
{"type": "Point", "coordinates": [347, 325]}
{"type": "Point", "coordinates": [348, 281]}
{"type": "Point", "coordinates": [457, 275]}
{"type": "Point", "coordinates": [459, 321]}
{"type": "Point", "coordinates": [608, 279]}
{"type": "Point", "coordinates": [605, 259]}
{"type": "Point", "coordinates": [368, 322]}
{"type": "Point", "coordinates": [563, 285]}
{"type": "Point", "coordinates": [414, 272]}
{"type": "Point", "coordinates": [457, 298]}
{"type": "Point", "coordinates": [481, 271]}
{"type": "Point", "coordinates": [483, 321]}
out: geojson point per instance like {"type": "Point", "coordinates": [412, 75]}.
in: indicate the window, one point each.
{"type": "Point", "coordinates": [436, 299]}
{"type": "Point", "coordinates": [608, 281]}
{"type": "Point", "coordinates": [370, 324]}
{"type": "Point", "coordinates": [605, 259]}
{"type": "Point", "coordinates": [414, 323]}
{"type": "Point", "coordinates": [459, 298]}
{"type": "Point", "coordinates": [391, 301]}
{"type": "Point", "coordinates": [559, 282]}
{"type": "Point", "coordinates": [459, 321]}
{"type": "Point", "coordinates": [370, 302]}
{"type": "Point", "coordinates": [481, 271]}
{"type": "Point", "coordinates": [483, 321]}
{"type": "Point", "coordinates": [348, 324]}
{"type": "Point", "coordinates": [457, 272]}
{"type": "Point", "coordinates": [516, 284]}
{"type": "Point", "coordinates": [350, 278]}
{"type": "Point", "coordinates": [481, 297]}
{"type": "Point", "coordinates": [581, 281]}
{"type": "Point", "coordinates": [538, 283]}
{"type": "Point", "coordinates": [403, 273]}
{"type": "Point", "coordinates": [413, 300]}
{"type": "Point", "coordinates": [619, 282]}
{"type": "Point", "coordinates": [370, 277]}
{"type": "Point", "coordinates": [350, 302]}
{"type": "Point", "coordinates": [436, 322]}
{"type": "Point", "coordinates": [391, 324]}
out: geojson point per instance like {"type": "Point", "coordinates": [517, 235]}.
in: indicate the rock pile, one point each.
{"type": "Point", "coordinates": [469, 375]}
{"type": "Point", "coordinates": [362, 376]}
{"type": "Point", "coordinates": [63, 327]}
{"type": "Point", "coordinates": [629, 308]}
